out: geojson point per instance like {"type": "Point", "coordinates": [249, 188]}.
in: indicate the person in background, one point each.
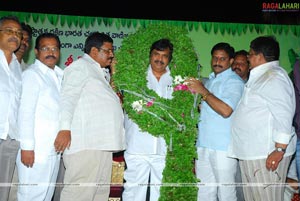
{"type": "Point", "coordinates": [291, 180]}
{"type": "Point", "coordinates": [263, 138]}
{"type": "Point", "coordinates": [91, 124]}
{"type": "Point", "coordinates": [240, 64]}
{"type": "Point", "coordinates": [38, 120]}
{"type": "Point", "coordinates": [25, 45]}
{"type": "Point", "coordinates": [10, 93]}
{"type": "Point", "coordinates": [296, 121]}
{"type": "Point", "coordinates": [220, 95]}
{"type": "Point", "coordinates": [145, 154]}
{"type": "Point", "coordinates": [20, 53]}
{"type": "Point", "coordinates": [294, 169]}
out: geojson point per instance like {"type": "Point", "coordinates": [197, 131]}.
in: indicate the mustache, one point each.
{"type": "Point", "coordinates": [237, 69]}
{"type": "Point", "coordinates": [159, 62]}
{"type": "Point", "coordinates": [50, 57]}
{"type": "Point", "coordinates": [13, 39]}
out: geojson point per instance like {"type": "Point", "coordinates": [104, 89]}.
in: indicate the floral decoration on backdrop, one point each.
{"type": "Point", "coordinates": [174, 119]}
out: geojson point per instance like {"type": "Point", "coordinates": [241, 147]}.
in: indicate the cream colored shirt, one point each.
{"type": "Point", "coordinates": [264, 114]}
{"type": "Point", "coordinates": [90, 108]}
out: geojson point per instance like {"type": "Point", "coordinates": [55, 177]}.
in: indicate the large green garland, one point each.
{"type": "Point", "coordinates": [174, 119]}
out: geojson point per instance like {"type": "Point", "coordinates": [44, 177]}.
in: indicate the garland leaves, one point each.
{"type": "Point", "coordinates": [174, 119]}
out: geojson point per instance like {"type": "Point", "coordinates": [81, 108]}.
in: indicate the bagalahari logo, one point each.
{"type": "Point", "coordinates": [280, 7]}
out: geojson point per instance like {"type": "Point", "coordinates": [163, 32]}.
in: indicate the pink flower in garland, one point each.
{"type": "Point", "coordinates": [181, 87]}
{"type": "Point", "coordinates": [150, 103]}
{"type": "Point", "coordinates": [179, 83]}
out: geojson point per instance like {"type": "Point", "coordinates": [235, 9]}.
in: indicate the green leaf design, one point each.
{"type": "Point", "coordinates": [62, 20]}
{"type": "Point", "coordinates": [35, 17]}
{"type": "Point", "coordinates": [81, 21]}
{"type": "Point", "coordinates": [69, 21]}
{"type": "Point", "coordinates": [118, 23]}
{"type": "Point", "coordinates": [53, 19]}
{"type": "Point", "coordinates": [206, 26]}
{"type": "Point", "coordinates": [222, 27]}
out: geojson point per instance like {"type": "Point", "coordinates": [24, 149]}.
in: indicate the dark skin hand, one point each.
{"type": "Point", "coordinates": [214, 102]}
{"type": "Point", "coordinates": [27, 157]}
{"type": "Point", "coordinates": [273, 160]}
{"type": "Point", "coordinates": [62, 141]}
{"type": "Point", "coordinates": [275, 157]}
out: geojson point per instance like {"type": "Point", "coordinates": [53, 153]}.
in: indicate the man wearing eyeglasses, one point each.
{"type": "Point", "coordinates": [10, 92]}
{"type": "Point", "coordinates": [91, 124]}
{"type": "Point", "coordinates": [262, 133]}
{"type": "Point", "coordinates": [38, 118]}
{"type": "Point", "coordinates": [20, 53]}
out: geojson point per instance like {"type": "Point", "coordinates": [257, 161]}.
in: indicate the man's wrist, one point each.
{"type": "Point", "coordinates": [204, 97]}
{"type": "Point", "coordinates": [280, 149]}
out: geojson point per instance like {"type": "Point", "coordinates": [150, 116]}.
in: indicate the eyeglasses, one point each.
{"type": "Point", "coordinates": [12, 32]}
{"type": "Point", "coordinates": [48, 49]}
{"type": "Point", "coordinates": [107, 51]}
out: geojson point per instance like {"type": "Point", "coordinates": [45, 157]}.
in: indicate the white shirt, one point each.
{"type": "Point", "coordinates": [264, 115]}
{"type": "Point", "coordinates": [142, 142]}
{"type": "Point", "coordinates": [39, 109]}
{"type": "Point", "coordinates": [24, 65]}
{"type": "Point", "coordinates": [10, 93]}
{"type": "Point", "coordinates": [90, 108]}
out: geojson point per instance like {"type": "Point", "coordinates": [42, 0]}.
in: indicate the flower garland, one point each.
{"type": "Point", "coordinates": [174, 119]}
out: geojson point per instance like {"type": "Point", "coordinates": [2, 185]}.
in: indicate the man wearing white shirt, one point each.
{"type": "Point", "coordinates": [91, 124]}
{"type": "Point", "coordinates": [145, 154]}
{"type": "Point", "coordinates": [10, 92]}
{"type": "Point", "coordinates": [20, 54]}
{"type": "Point", "coordinates": [263, 138]}
{"type": "Point", "coordinates": [38, 120]}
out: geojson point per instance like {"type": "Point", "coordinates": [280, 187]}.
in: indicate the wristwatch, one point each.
{"type": "Point", "coordinates": [280, 149]}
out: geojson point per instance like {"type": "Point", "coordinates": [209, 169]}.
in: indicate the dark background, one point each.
{"type": "Point", "coordinates": [185, 10]}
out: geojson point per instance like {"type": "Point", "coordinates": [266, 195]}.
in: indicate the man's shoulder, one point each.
{"type": "Point", "coordinates": [76, 65]}
{"type": "Point", "coordinates": [231, 76]}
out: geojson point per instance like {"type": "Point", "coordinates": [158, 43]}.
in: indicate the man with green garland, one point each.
{"type": "Point", "coordinates": [145, 154]}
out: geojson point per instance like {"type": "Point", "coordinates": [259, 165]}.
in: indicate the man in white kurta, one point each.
{"type": "Point", "coordinates": [37, 159]}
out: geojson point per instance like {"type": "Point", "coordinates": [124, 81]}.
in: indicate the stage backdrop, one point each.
{"type": "Point", "coordinates": [73, 31]}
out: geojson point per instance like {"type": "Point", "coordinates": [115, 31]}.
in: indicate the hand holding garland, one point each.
{"type": "Point", "coordinates": [214, 102]}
